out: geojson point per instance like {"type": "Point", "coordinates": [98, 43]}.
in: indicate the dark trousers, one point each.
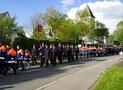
{"type": "Point", "coordinates": [34, 61]}
{"type": "Point", "coordinates": [46, 61]}
{"type": "Point", "coordinates": [77, 56]}
{"type": "Point", "coordinates": [9, 66]}
{"type": "Point", "coordinates": [64, 56]}
{"type": "Point", "coordinates": [2, 67]}
{"type": "Point", "coordinates": [60, 59]}
{"type": "Point", "coordinates": [72, 57]}
{"type": "Point", "coordinates": [20, 61]}
{"type": "Point", "coordinates": [53, 60]}
{"type": "Point", "coordinates": [68, 58]}
{"type": "Point", "coordinates": [42, 61]}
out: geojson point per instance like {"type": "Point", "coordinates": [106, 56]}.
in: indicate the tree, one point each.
{"type": "Point", "coordinates": [69, 31]}
{"type": "Point", "coordinates": [111, 39]}
{"type": "Point", "coordinates": [118, 33]}
{"type": "Point", "coordinates": [54, 20]}
{"type": "Point", "coordinates": [35, 21]}
{"type": "Point", "coordinates": [8, 27]}
{"type": "Point", "coordinates": [39, 36]}
{"type": "Point", "coordinates": [87, 22]}
{"type": "Point", "coordinates": [100, 31]}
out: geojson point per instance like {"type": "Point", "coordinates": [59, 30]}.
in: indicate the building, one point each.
{"type": "Point", "coordinates": [87, 17]}
{"type": "Point", "coordinates": [7, 15]}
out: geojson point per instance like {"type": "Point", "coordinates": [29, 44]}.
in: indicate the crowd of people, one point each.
{"type": "Point", "coordinates": [45, 55]}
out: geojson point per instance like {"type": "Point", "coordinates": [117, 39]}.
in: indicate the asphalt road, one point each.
{"type": "Point", "coordinates": [60, 77]}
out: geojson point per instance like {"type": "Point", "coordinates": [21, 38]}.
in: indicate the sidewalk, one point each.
{"type": "Point", "coordinates": [80, 80]}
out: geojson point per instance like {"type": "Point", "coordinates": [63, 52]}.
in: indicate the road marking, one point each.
{"type": "Point", "coordinates": [58, 80]}
{"type": "Point", "coordinates": [81, 70]}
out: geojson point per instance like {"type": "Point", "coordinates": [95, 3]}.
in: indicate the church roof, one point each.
{"type": "Point", "coordinates": [89, 11]}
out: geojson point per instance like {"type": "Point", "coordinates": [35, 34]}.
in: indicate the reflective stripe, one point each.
{"type": "Point", "coordinates": [20, 58]}
{"type": "Point", "coordinates": [11, 61]}
{"type": "Point", "coordinates": [2, 58]}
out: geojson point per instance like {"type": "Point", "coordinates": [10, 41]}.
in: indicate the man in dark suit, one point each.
{"type": "Point", "coordinates": [34, 55]}
{"type": "Point", "coordinates": [59, 52]}
{"type": "Point", "coordinates": [68, 52]}
{"type": "Point", "coordinates": [46, 55]}
{"type": "Point", "coordinates": [76, 52]}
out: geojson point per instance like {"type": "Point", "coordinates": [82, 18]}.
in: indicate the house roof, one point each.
{"type": "Point", "coordinates": [4, 14]}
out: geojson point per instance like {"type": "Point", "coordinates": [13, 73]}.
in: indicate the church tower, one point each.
{"type": "Point", "coordinates": [89, 18]}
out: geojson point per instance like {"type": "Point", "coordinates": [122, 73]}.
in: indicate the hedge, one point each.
{"type": "Point", "coordinates": [27, 43]}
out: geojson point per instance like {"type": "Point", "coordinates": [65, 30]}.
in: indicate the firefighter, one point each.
{"type": "Point", "coordinates": [11, 59]}
{"type": "Point", "coordinates": [2, 57]}
{"type": "Point", "coordinates": [20, 57]}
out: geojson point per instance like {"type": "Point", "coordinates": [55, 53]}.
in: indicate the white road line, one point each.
{"type": "Point", "coordinates": [58, 80]}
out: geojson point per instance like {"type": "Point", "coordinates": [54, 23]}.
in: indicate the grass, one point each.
{"type": "Point", "coordinates": [111, 80]}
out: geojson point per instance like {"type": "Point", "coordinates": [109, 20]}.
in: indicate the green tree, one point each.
{"type": "Point", "coordinates": [86, 22]}
{"type": "Point", "coordinates": [9, 27]}
{"type": "Point", "coordinates": [111, 39]}
{"type": "Point", "coordinates": [54, 19]}
{"type": "Point", "coordinates": [36, 20]}
{"type": "Point", "coordinates": [118, 34]}
{"type": "Point", "coordinates": [69, 31]}
{"type": "Point", "coordinates": [100, 31]}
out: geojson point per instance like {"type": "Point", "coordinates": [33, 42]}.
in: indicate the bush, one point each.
{"type": "Point", "coordinates": [27, 43]}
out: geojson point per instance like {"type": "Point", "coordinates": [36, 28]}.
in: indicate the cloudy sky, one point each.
{"type": "Point", "coordinates": [109, 12]}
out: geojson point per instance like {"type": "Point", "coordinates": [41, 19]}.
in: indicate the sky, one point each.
{"type": "Point", "coordinates": [110, 12]}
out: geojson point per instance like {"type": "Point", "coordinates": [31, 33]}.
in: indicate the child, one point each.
{"type": "Point", "coordinates": [27, 58]}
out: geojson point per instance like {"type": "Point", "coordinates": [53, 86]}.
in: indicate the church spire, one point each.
{"type": "Point", "coordinates": [89, 11]}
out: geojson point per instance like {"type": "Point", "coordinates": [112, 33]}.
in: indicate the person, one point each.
{"type": "Point", "coordinates": [52, 55]}
{"type": "Point", "coordinates": [20, 57]}
{"type": "Point", "coordinates": [27, 58]}
{"type": "Point", "coordinates": [46, 55]}
{"type": "Point", "coordinates": [72, 53]}
{"type": "Point", "coordinates": [68, 51]}
{"type": "Point", "coordinates": [2, 57]}
{"type": "Point", "coordinates": [11, 59]}
{"type": "Point", "coordinates": [59, 52]}
{"type": "Point", "coordinates": [34, 55]}
{"type": "Point", "coordinates": [41, 54]}
{"type": "Point", "coordinates": [64, 52]}
{"type": "Point", "coordinates": [76, 52]}
{"type": "Point", "coordinates": [54, 51]}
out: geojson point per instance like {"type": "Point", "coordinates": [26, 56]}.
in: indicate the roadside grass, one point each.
{"type": "Point", "coordinates": [111, 80]}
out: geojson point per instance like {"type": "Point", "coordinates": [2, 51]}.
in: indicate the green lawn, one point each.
{"type": "Point", "coordinates": [111, 80]}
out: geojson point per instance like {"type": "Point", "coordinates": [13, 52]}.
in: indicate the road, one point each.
{"type": "Point", "coordinates": [77, 75]}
